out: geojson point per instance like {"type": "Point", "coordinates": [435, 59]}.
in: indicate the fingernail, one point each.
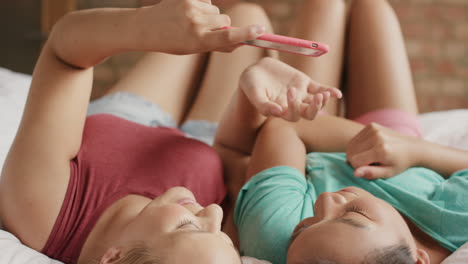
{"type": "Point", "coordinates": [360, 174]}
{"type": "Point", "coordinates": [259, 29]}
{"type": "Point", "coordinates": [275, 111]}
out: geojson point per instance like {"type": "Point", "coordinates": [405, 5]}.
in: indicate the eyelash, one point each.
{"type": "Point", "coordinates": [185, 222]}
{"type": "Point", "coordinates": [355, 209]}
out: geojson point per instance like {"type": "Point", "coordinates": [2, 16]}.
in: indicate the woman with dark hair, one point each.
{"type": "Point", "coordinates": [370, 190]}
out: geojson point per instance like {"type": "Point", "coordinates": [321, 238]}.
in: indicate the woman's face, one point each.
{"type": "Point", "coordinates": [179, 230]}
{"type": "Point", "coordinates": [348, 225]}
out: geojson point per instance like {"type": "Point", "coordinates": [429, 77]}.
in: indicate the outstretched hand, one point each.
{"type": "Point", "coordinates": [191, 26]}
{"type": "Point", "coordinates": [277, 89]}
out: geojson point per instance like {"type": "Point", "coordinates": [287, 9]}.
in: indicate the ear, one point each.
{"type": "Point", "coordinates": [112, 255]}
{"type": "Point", "coordinates": [422, 257]}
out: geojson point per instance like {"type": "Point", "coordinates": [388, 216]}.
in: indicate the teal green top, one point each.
{"type": "Point", "coordinates": [274, 201]}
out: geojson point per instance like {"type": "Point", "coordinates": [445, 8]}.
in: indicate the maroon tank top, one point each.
{"type": "Point", "coordinates": [118, 158]}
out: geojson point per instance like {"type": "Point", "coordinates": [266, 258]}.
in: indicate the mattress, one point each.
{"type": "Point", "coordinates": [449, 128]}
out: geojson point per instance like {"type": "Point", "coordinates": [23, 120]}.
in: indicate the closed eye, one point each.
{"type": "Point", "coordinates": [356, 209]}
{"type": "Point", "coordinates": [187, 222]}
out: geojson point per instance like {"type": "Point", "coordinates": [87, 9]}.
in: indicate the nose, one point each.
{"type": "Point", "coordinates": [211, 218]}
{"type": "Point", "coordinates": [328, 205]}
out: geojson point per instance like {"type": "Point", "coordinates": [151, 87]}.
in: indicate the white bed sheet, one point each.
{"type": "Point", "coordinates": [448, 128]}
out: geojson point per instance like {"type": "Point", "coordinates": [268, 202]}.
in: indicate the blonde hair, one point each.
{"type": "Point", "coordinates": [139, 255]}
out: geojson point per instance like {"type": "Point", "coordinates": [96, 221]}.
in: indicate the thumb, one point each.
{"type": "Point", "coordinates": [270, 109]}
{"type": "Point", "coordinates": [231, 36]}
{"type": "Point", "coordinates": [373, 172]}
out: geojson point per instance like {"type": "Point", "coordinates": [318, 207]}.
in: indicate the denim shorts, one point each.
{"type": "Point", "coordinates": [137, 109]}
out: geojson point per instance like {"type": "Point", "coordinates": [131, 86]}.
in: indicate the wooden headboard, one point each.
{"type": "Point", "coordinates": [53, 10]}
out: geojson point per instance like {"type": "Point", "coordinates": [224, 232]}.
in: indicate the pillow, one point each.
{"type": "Point", "coordinates": [13, 252]}
{"type": "Point", "coordinates": [448, 128]}
{"type": "Point", "coordinates": [13, 92]}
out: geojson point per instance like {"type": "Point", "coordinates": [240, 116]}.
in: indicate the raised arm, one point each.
{"type": "Point", "coordinates": [83, 39]}
{"type": "Point", "coordinates": [36, 172]}
{"type": "Point", "coordinates": [269, 88]}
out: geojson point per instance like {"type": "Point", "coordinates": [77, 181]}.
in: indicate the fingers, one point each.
{"type": "Point", "coordinates": [364, 158]}
{"type": "Point", "coordinates": [293, 112]}
{"type": "Point", "coordinates": [218, 21]}
{"type": "Point", "coordinates": [363, 141]}
{"type": "Point", "coordinates": [315, 87]}
{"type": "Point", "coordinates": [374, 172]}
{"type": "Point", "coordinates": [227, 37]}
{"type": "Point", "coordinates": [270, 109]}
{"type": "Point", "coordinates": [306, 108]}
{"type": "Point", "coordinates": [315, 103]}
{"type": "Point", "coordinates": [334, 92]}
{"type": "Point", "coordinates": [326, 98]}
{"type": "Point", "coordinates": [309, 112]}
{"type": "Point", "coordinates": [206, 7]}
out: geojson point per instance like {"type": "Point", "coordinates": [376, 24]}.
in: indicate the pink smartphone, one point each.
{"type": "Point", "coordinates": [288, 44]}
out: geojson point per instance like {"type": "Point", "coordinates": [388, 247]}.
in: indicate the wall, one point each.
{"type": "Point", "coordinates": [436, 33]}
{"type": "Point", "coordinates": [20, 36]}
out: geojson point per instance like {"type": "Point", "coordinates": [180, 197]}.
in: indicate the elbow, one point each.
{"type": "Point", "coordinates": [64, 45]}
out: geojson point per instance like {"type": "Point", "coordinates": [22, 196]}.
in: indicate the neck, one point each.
{"type": "Point", "coordinates": [106, 232]}
{"type": "Point", "coordinates": [436, 252]}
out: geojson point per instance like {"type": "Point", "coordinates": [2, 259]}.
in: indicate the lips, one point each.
{"type": "Point", "coordinates": [348, 190]}
{"type": "Point", "coordinates": [185, 201]}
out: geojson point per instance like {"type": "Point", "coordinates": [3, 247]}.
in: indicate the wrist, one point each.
{"type": "Point", "coordinates": [130, 30]}
{"type": "Point", "coordinates": [419, 154]}
{"type": "Point", "coordinates": [141, 34]}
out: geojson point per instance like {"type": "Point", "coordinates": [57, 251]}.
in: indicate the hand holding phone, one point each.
{"type": "Point", "coordinates": [288, 44]}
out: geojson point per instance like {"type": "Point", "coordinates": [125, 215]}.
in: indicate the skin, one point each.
{"type": "Point", "coordinates": [50, 132]}
{"type": "Point", "coordinates": [170, 224]}
{"type": "Point", "coordinates": [52, 126]}
{"type": "Point", "coordinates": [348, 225]}
{"type": "Point", "coordinates": [377, 80]}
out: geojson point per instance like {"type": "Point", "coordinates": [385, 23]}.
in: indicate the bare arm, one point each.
{"type": "Point", "coordinates": [265, 90]}
{"type": "Point", "coordinates": [442, 159]}
{"type": "Point", "coordinates": [36, 173]}
{"type": "Point", "coordinates": [327, 133]}
{"type": "Point", "coordinates": [268, 88]}
{"type": "Point", "coordinates": [234, 142]}
{"type": "Point", "coordinates": [372, 144]}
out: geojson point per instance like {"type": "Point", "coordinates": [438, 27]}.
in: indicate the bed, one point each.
{"type": "Point", "coordinates": [447, 127]}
